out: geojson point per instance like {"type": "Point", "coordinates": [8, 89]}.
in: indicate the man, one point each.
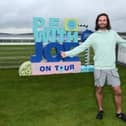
{"type": "Point", "coordinates": [103, 41]}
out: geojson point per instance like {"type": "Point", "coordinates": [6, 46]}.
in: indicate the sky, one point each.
{"type": "Point", "coordinates": [16, 15]}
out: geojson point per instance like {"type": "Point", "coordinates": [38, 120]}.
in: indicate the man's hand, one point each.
{"type": "Point", "coordinates": [63, 55]}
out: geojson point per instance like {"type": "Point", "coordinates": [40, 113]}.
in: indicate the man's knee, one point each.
{"type": "Point", "coordinates": [118, 91]}
{"type": "Point", "coordinates": [98, 90]}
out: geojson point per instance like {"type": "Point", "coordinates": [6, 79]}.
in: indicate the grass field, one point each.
{"type": "Point", "coordinates": [56, 100]}
{"type": "Point", "coordinates": [13, 56]}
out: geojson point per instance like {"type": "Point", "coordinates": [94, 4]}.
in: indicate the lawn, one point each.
{"type": "Point", "coordinates": [55, 100]}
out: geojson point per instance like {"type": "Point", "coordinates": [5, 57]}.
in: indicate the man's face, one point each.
{"type": "Point", "coordinates": [102, 22]}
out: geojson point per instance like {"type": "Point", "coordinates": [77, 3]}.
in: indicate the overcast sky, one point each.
{"type": "Point", "coordinates": [16, 15]}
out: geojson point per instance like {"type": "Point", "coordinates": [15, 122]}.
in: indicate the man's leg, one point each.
{"type": "Point", "coordinates": [99, 77]}
{"type": "Point", "coordinates": [118, 98]}
{"type": "Point", "coordinates": [99, 98]}
{"type": "Point", "coordinates": [118, 103]}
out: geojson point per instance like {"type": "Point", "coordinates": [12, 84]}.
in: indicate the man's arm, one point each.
{"type": "Point", "coordinates": [78, 49]}
{"type": "Point", "coordinates": [120, 40]}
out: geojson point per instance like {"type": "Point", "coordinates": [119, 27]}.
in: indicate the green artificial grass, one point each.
{"type": "Point", "coordinates": [55, 100]}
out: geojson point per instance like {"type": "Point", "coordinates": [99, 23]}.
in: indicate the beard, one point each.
{"type": "Point", "coordinates": [102, 26]}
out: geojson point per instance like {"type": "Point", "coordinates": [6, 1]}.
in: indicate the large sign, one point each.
{"type": "Point", "coordinates": [51, 37]}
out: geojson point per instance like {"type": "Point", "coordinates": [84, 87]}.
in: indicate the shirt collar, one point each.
{"type": "Point", "coordinates": [103, 31]}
